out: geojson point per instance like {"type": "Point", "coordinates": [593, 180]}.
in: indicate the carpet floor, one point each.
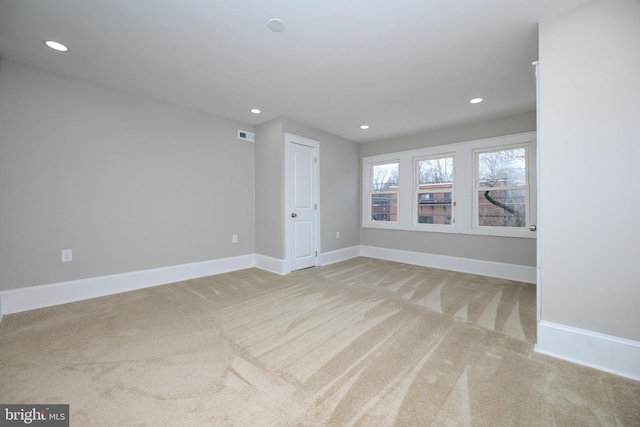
{"type": "Point", "coordinates": [362, 342]}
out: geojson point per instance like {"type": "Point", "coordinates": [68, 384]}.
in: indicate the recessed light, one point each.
{"type": "Point", "coordinates": [256, 111]}
{"type": "Point", "coordinates": [476, 100]}
{"type": "Point", "coordinates": [364, 127]}
{"type": "Point", "coordinates": [56, 46]}
{"type": "Point", "coordinates": [276, 25]}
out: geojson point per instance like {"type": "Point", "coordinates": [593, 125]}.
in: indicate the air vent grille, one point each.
{"type": "Point", "coordinates": [246, 136]}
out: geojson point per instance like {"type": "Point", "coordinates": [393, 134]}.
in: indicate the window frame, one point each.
{"type": "Point", "coordinates": [417, 191]}
{"type": "Point", "coordinates": [463, 213]}
{"type": "Point", "coordinates": [525, 187]}
{"type": "Point", "coordinates": [372, 192]}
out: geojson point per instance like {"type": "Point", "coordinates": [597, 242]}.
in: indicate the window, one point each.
{"type": "Point", "coordinates": [384, 192]}
{"type": "Point", "coordinates": [483, 187]}
{"type": "Point", "coordinates": [501, 187]}
{"type": "Point", "coordinates": [434, 188]}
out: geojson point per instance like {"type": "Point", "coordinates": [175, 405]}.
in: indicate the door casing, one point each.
{"type": "Point", "coordinates": [288, 228]}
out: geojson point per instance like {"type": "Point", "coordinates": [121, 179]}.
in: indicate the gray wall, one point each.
{"type": "Point", "coordinates": [487, 129]}
{"type": "Point", "coordinates": [487, 248]}
{"type": "Point", "coordinates": [339, 186]}
{"type": "Point", "coordinates": [269, 185]}
{"type": "Point", "coordinates": [589, 151]}
{"type": "Point", "coordinates": [130, 184]}
{"type": "Point", "coordinates": [127, 183]}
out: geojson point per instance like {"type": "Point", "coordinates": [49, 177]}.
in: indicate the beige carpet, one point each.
{"type": "Point", "coordinates": [362, 342]}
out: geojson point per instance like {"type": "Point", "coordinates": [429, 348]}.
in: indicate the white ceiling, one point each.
{"type": "Point", "coordinates": [400, 66]}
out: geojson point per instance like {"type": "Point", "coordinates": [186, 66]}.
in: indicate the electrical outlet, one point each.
{"type": "Point", "coordinates": [337, 234]}
{"type": "Point", "coordinates": [234, 238]}
{"type": "Point", "coordinates": [66, 255]}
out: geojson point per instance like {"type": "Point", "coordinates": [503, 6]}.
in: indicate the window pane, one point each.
{"type": "Point", "coordinates": [501, 208]}
{"type": "Point", "coordinates": [435, 208]}
{"type": "Point", "coordinates": [434, 190]}
{"type": "Point", "coordinates": [384, 207]}
{"type": "Point", "coordinates": [435, 171]}
{"type": "Point", "coordinates": [505, 168]}
{"type": "Point", "coordinates": [384, 177]}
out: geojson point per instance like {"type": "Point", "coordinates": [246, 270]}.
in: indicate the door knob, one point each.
{"type": "Point", "coordinates": [533, 228]}
{"type": "Point", "coordinates": [293, 215]}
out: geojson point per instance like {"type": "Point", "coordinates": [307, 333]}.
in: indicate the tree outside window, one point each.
{"type": "Point", "coordinates": [502, 187]}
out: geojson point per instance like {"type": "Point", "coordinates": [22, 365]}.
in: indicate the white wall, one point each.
{"type": "Point", "coordinates": [128, 183]}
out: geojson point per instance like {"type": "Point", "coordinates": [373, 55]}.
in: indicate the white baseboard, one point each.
{"type": "Point", "coordinates": [604, 352]}
{"type": "Point", "coordinates": [274, 265]}
{"type": "Point", "coordinates": [23, 299]}
{"type": "Point", "coordinates": [515, 272]}
{"type": "Point", "coordinates": [34, 297]}
{"type": "Point", "coordinates": [277, 266]}
{"type": "Point", "coordinates": [332, 257]}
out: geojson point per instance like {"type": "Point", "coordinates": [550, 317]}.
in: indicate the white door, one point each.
{"type": "Point", "coordinates": [302, 211]}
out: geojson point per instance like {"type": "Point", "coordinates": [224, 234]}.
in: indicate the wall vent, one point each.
{"type": "Point", "coordinates": [246, 136]}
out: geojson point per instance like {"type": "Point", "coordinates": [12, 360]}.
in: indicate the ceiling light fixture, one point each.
{"type": "Point", "coordinates": [276, 25]}
{"type": "Point", "coordinates": [476, 100]}
{"type": "Point", "coordinates": [56, 46]}
{"type": "Point", "coordinates": [256, 111]}
{"type": "Point", "coordinates": [364, 127]}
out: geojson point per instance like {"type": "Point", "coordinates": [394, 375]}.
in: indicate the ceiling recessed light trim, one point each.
{"type": "Point", "coordinates": [364, 127]}
{"type": "Point", "coordinates": [256, 110]}
{"type": "Point", "coordinates": [56, 46]}
{"type": "Point", "coordinates": [476, 100]}
{"type": "Point", "coordinates": [276, 25]}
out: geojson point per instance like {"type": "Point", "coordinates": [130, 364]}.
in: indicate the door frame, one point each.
{"type": "Point", "coordinates": [536, 68]}
{"type": "Point", "coordinates": [300, 140]}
